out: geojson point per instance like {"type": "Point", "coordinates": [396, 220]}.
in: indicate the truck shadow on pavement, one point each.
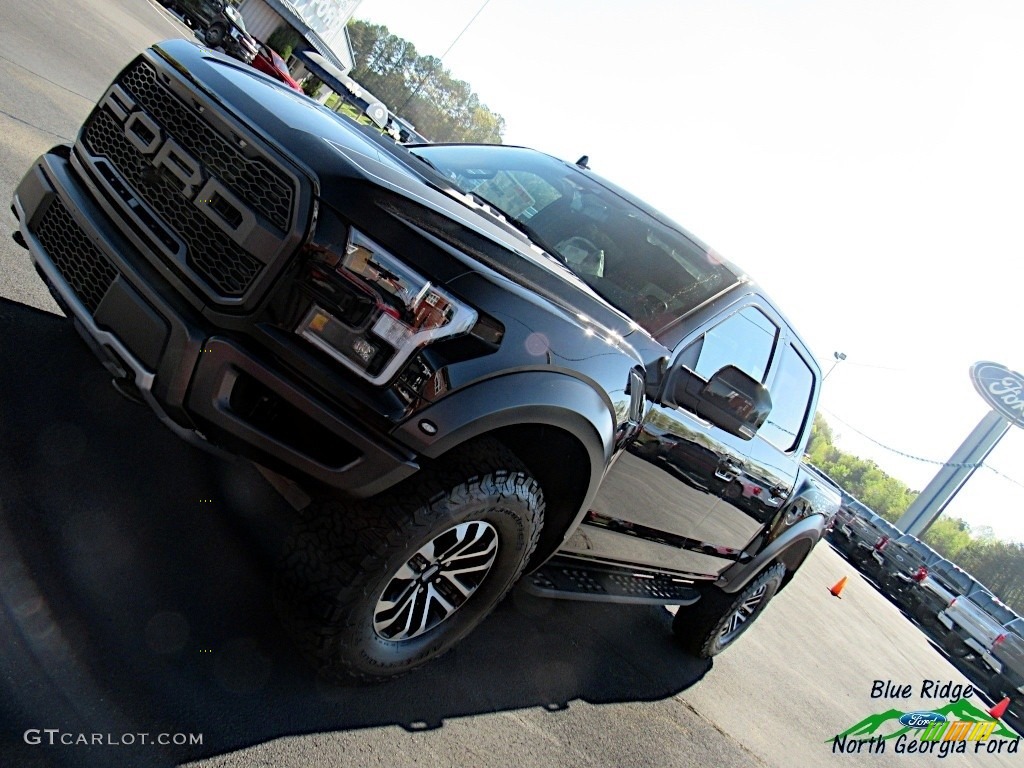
{"type": "Point", "coordinates": [135, 580]}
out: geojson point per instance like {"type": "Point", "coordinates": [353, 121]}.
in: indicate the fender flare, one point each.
{"type": "Point", "coordinates": [514, 399]}
{"type": "Point", "coordinates": [809, 530]}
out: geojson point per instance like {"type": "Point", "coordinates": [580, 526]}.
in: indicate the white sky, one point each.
{"type": "Point", "coordinates": [863, 160]}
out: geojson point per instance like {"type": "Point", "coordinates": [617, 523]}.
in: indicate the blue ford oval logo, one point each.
{"type": "Point", "coordinates": [1001, 388]}
{"type": "Point", "coordinates": [922, 719]}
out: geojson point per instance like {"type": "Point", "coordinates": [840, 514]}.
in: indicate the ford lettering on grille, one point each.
{"type": "Point", "coordinates": [208, 194]}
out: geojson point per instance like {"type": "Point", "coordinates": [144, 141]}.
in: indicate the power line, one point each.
{"type": "Point", "coordinates": [906, 455]}
{"type": "Point", "coordinates": [468, 25]}
{"type": "Point", "coordinates": [433, 69]}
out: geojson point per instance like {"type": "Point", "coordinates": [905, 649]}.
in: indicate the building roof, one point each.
{"type": "Point", "coordinates": [342, 59]}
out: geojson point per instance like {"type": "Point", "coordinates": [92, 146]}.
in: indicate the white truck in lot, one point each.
{"type": "Point", "coordinates": [975, 625]}
{"type": "Point", "coordinates": [944, 583]}
{"type": "Point", "coordinates": [1008, 652]}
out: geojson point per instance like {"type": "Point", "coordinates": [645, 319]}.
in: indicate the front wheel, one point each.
{"type": "Point", "coordinates": [713, 624]}
{"type": "Point", "coordinates": [215, 35]}
{"type": "Point", "coordinates": [372, 590]}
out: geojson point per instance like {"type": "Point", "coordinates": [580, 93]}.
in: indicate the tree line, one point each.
{"type": "Point", "coordinates": [999, 565]}
{"type": "Point", "coordinates": [419, 88]}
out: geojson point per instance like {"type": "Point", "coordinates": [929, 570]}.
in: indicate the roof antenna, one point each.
{"type": "Point", "coordinates": [583, 162]}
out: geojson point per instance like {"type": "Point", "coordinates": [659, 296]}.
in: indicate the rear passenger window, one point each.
{"type": "Point", "coordinates": [791, 400]}
{"type": "Point", "coordinates": [994, 608]}
{"type": "Point", "coordinates": [957, 579]}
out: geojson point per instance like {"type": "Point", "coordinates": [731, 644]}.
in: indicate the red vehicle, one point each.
{"type": "Point", "coordinates": [269, 62]}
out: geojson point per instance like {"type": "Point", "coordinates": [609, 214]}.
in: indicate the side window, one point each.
{"type": "Point", "coordinates": [745, 339]}
{"type": "Point", "coordinates": [791, 398]}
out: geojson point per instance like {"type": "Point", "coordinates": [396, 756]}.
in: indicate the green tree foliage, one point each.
{"type": "Point", "coordinates": [283, 40]}
{"type": "Point", "coordinates": [999, 565]}
{"type": "Point", "coordinates": [881, 492]}
{"type": "Point", "coordinates": [949, 536]}
{"type": "Point", "coordinates": [419, 88]}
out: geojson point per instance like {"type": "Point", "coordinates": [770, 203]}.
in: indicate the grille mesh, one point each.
{"type": "Point", "coordinates": [80, 262]}
{"type": "Point", "coordinates": [228, 268]}
{"type": "Point", "coordinates": [261, 186]}
{"type": "Point", "coordinates": [213, 258]}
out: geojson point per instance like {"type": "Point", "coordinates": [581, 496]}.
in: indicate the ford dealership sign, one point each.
{"type": "Point", "coordinates": [1001, 388]}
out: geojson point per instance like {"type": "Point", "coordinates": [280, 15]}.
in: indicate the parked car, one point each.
{"type": "Point", "coordinates": [852, 533]}
{"type": "Point", "coordinates": [405, 132]}
{"type": "Point", "coordinates": [1007, 653]}
{"type": "Point", "coordinates": [901, 575]}
{"type": "Point", "coordinates": [867, 538]}
{"type": "Point", "coordinates": [945, 581]}
{"type": "Point", "coordinates": [975, 623]}
{"type": "Point", "coordinates": [219, 25]}
{"type": "Point", "coordinates": [269, 62]}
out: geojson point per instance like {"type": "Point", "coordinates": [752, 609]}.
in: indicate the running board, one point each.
{"type": "Point", "coordinates": [574, 580]}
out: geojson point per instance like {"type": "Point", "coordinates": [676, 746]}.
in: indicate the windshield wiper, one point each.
{"type": "Point", "coordinates": [532, 234]}
{"type": "Point", "coordinates": [501, 215]}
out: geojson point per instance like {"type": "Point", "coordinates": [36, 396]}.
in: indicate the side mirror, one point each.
{"type": "Point", "coordinates": [730, 399]}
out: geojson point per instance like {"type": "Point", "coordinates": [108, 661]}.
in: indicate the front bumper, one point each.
{"type": "Point", "coordinates": [207, 387]}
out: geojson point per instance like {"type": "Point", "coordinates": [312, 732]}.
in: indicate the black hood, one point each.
{"type": "Point", "coordinates": [339, 155]}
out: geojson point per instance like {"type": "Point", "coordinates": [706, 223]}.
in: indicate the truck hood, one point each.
{"type": "Point", "coordinates": [339, 155]}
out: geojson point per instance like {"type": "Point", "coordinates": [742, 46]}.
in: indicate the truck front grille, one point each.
{"type": "Point", "coordinates": [209, 241]}
{"type": "Point", "coordinates": [214, 255]}
{"type": "Point", "coordinates": [81, 263]}
{"type": "Point", "coordinates": [266, 189]}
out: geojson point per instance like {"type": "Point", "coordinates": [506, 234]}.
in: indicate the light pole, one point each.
{"type": "Point", "coordinates": [839, 356]}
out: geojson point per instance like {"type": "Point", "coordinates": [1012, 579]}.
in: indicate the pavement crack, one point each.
{"type": "Point", "coordinates": [88, 99]}
{"type": "Point", "coordinates": [33, 125]}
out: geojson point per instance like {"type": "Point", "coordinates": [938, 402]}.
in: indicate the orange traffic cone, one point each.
{"type": "Point", "coordinates": [1000, 709]}
{"type": "Point", "coordinates": [838, 587]}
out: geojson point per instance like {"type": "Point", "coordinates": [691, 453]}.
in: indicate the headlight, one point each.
{"type": "Point", "coordinates": [393, 312]}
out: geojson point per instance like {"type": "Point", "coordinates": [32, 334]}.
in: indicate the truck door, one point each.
{"type": "Point", "coordinates": [773, 458]}
{"type": "Point", "coordinates": [661, 503]}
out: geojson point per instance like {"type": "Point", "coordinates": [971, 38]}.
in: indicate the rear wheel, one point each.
{"type": "Point", "coordinates": [711, 625]}
{"type": "Point", "coordinates": [954, 645]}
{"type": "Point", "coordinates": [372, 590]}
{"type": "Point", "coordinates": [999, 686]}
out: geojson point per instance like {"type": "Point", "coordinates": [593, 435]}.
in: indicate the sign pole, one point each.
{"type": "Point", "coordinates": [1003, 390]}
{"type": "Point", "coordinates": [931, 502]}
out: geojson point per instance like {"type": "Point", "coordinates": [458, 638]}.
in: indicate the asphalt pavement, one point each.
{"type": "Point", "coordinates": [135, 572]}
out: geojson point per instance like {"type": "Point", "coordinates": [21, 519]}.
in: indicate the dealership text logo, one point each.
{"type": "Point", "coordinates": [209, 195]}
{"type": "Point", "coordinates": [956, 728]}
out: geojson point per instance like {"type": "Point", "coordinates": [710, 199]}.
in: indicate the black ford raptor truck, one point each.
{"type": "Point", "coordinates": [469, 365]}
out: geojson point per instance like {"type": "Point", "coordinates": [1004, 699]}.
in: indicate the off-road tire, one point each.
{"type": "Point", "coordinates": [707, 628]}
{"type": "Point", "coordinates": [342, 559]}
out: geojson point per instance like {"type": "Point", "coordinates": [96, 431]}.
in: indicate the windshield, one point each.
{"type": "Point", "coordinates": [236, 18]}
{"type": "Point", "coordinates": [637, 261]}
